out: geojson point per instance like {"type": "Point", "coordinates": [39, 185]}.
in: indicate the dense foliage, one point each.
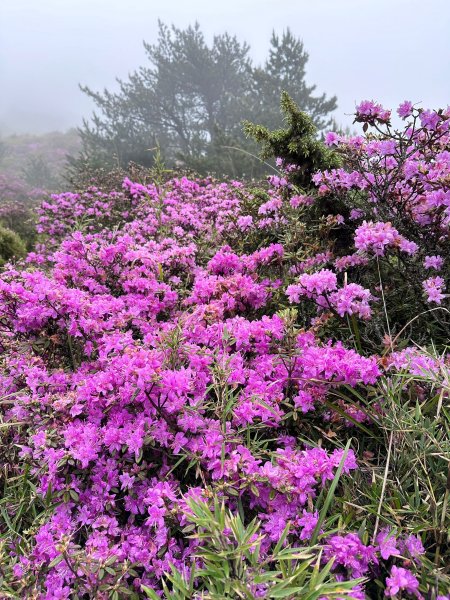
{"type": "Point", "coordinates": [211, 390]}
{"type": "Point", "coordinates": [191, 100]}
{"type": "Point", "coordinates": [18, 204]}
{"type": "Point", "coordinates": [11, 246]}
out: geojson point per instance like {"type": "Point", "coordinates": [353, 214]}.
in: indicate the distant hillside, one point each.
{"type": "Point", "coordinates": [38, 160]}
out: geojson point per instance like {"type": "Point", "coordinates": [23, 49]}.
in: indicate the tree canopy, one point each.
{"type": "Point", "coordinates": [191, 100]}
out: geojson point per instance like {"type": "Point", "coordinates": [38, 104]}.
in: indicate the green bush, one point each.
{"type": "Point", "coordinates": [11, 245]}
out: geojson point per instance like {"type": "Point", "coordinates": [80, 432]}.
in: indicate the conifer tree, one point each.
{"type": "Point", "coordinates": [296, 143]}
{"type": "Point", "coordinates": [285, 71]}
{"type": "Point", "coordinates": [191, 101]}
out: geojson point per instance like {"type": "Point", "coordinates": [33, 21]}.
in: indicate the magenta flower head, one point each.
{"type": "Point", "coordinates": [332, 138]}
{"type": "Point", "coordinates": [371, 113]}
{"type": "Point", "coordinates": [433, 262]}
{"type": "Point", "coordinates": [387, 544]}
{"type": "Point", "coordinates": [405, 109]}
{"type": "Point", "coordinates": [434, 288]}
{"type": "Point", "coordinates": [402, 580]}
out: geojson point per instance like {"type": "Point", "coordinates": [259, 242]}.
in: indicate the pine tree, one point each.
{"type": "Point", "coordinates": [285, 71]}
{"type": "Point", "coordinates": [297, 143]}
{"type": "Point", "coordinates": [191, 100]}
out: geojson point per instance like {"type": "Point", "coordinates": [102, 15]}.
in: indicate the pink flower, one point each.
{"type": "Point", "coordinates": [402, 580]}
{"type": "Point", "coordinates": [297, 201]}
{"type": "Point", "coordinates": [434, 288]}
{"type": "Point", "coordinates": [348, 551]}
{"type": "Point", "coordinates": [356, 214]}
{"type": "Point", "coordinates": [369, 112]}
{"type": "Point", "coordinates": [277, 182]}
{"type": "Point", "coordinates": [126, 481]}
{"type": "Point", "coordinates": [318, 283]}
{"type": "Point", "coordinates": [408, 246]}
{"type": "Point", "coordinates": [352, 299]}
{"type": "Point", "coordinates": [433, 262]}
{"type": "Point", "coordinates": [375, 237]}
{"type": "Point", "coordinates": [378, 237]}
{"type": "Point", "coordinates": [308, 523]}
{"type": "Point", "coordinates": [429, 119]}
{"type": "Point", "coordinates": [405, 109]}
{"type": "Point", "coordinates": [244, 223]}
{"type": "Point", "coordinates": [387, 544]}
{"type": "Point", "coordinates": [332, 139]}
{"type": "Point", "coordinates": [414, 546]}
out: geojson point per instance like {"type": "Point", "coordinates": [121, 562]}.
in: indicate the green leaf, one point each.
{"type": "Point", "coordinates": [330, 495]}
{"type": "Point", "coordinates": [150, 593]}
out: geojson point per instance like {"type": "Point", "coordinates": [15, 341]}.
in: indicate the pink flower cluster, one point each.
{"type": "Point", "coordinates": [434, 288]}
{"type": "Point", "coordinates": [376, 238]}
{"type": "Point", "coordinates": [371, 112]}
{"type": "Point", "coordinates": [118, 348]}
{"type": "Point", "coordinates": [152, 357]}
{"type": "Point", "coordinates": [398, 181]}
{"type": "Point", "coordinates": [322, 287]}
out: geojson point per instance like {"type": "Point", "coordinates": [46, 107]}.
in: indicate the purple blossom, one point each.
{"type": "Point", "coordinates": [405, 109]}
{"type": "Point", "coordinates": [332, 138]}
{"type": "Point", "coordinates": [369, 111]}
{"type": "Point", "coordinates": [433, 262]}
{"type": "Point", "coordinates": [434, 288]}
{"type": "Point", "coordinates": [402, 580]}
{"type": "Point", "coordinates": [387, 544]}
{"type": "Point", "coordinates": [350, 553]}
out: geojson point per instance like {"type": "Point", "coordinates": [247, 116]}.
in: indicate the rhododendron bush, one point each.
{"type": "Point", "coordinates": [396, 187]}
{"type": "Point", "coordinates": [200, 382]}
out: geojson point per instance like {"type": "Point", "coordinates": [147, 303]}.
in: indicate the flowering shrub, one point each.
{"type": "Point", "coordinates": [396, 183]}
{"type": "Point", "coordinates": [176, 425]}
{"type": "Point", "coordinates": [379, 219]}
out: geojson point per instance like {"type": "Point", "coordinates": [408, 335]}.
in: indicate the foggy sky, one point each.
{"type": "Point", "coordinates": [388, 50]}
